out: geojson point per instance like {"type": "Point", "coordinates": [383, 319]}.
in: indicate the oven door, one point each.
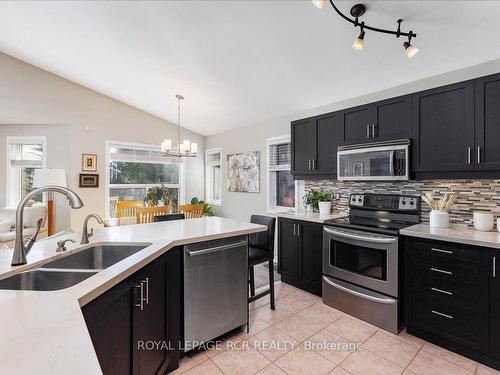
{"type": "Point", "coordinates": [362, 258]}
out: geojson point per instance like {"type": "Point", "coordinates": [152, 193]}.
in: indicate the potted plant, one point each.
{"type": "Point", "coordinates": [154, 195]}
{"type": "Point", "coordinates": [207, 209]}
{"type": "Point", "coordinates": [318, 200]}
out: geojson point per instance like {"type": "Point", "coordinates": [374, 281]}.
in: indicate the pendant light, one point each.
{"type": "Point", "coordinates": [184, 149]}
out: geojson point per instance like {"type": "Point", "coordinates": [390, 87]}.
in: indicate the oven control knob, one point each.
{"type": "Point", "coordinates": [403, 203]}
{"type": "Point", "coordinates": [412, 202]}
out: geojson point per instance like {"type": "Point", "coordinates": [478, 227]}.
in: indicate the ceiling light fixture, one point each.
{"type": "Point", "coordinates": [360, 40]}
{"type": "Point", "coordinates": [184, 149]}
{"type": "Point", "coordinates": [410, 50]}
{"type": "Point", "coordinates": [318, 3]}
{"type": "Point", "coordinates": [357, 11]}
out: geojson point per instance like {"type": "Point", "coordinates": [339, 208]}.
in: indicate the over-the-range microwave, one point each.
{"type": "Point", "coordinates": [379, 161]}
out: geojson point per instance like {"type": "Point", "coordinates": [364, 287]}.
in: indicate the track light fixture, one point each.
{"type": "Point", "coordinates": [357, 11]}
{"type": "Point", "coordinates": [410, 50]}
{"type": "Point", "coordinates": [360, 40]}
{"type": "Point", "coordinates": [319, 3]}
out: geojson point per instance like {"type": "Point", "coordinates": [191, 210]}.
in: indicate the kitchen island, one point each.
{"type": "Point", "coordinates": [44, 332]}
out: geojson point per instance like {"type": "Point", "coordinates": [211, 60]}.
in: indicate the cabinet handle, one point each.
{"type": "Point", "coordinates": [469, 157]}
{"type": "Point", "coordinates": [314, 164]}
{"type": "Point", "coordinates": [141, 296]}
{"type": "Point", "coordinates": [479, 154]}
{"type": "Point", "coordinates": [147, 290]}
{"type": "Point", "coordinates": [442, 291]}
{"type": "Point", "coordinates": [442, 251]}
{"type": "Point", "coordinates": [441, 314]}
{"type": "Point", "coordinates": [494, 266]}
{"type": "Point", "coordinates": [373, 130]}
{"type": "Point", "coordinates": [294, 230]}
{"type": "Point", "coordinates": [441, 271]}
{"type": "Point", "coordinates": [367, 131]}
{"type": "Point", "coordinates": [309, 164]}
{"type": "Point", "coordinates": [298, 230]}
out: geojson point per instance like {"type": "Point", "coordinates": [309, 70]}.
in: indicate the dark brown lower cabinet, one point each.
{"type": "Point", "coordinates": [452, 297]}
{"type": "Point", "coordinates": [135, 326]}
{"type": "Point", "coordinates": [300, 254]}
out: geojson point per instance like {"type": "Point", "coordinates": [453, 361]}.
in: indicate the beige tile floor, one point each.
{"type": "Point", "coordinates": [301, 325]}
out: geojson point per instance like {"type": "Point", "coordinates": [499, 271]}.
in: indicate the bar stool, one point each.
{"type": "Point", "coordinates": [260, 250]}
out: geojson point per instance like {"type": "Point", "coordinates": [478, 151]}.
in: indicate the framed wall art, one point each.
{"type": "Point", "coordinates": [88, 180]}
{"type": "Point", "coordinates": [89, 162]}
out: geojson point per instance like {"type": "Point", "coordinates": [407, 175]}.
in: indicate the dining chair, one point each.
{"type": "Point", "coordinates": [169, 217]}
{"type": "Point", "coordinates": [146, 214]}
{"type": "Point", "coordinates": [191, 211]}
{"type": "Point", "coordinates": [260, 250]}
{"type": "Point", "coordinates": [127, 209]}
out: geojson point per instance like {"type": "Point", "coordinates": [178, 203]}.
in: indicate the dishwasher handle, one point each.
{"type": "Point", "coordinates": [216, 248]}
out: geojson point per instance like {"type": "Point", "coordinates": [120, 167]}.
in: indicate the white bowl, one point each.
{"type": "Point", "coordinates": [484, 220]}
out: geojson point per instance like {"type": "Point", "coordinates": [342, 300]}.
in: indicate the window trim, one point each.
{"type": "Point", "coordinates": [277, 209]}
{"type": "Point", "coordinates": [107, 185]}
{"type": "Point", "coordinates": [25, 138]}
{"type": "Point", "coordinates": [208, 200]}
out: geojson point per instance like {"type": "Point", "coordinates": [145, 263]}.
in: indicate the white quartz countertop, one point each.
{"type": "Point", "coordinates": [45, 332]}
{"type": "Point", "coordinates": [455, 233]}
{"type": "Point", "coordinates": [312, 216]}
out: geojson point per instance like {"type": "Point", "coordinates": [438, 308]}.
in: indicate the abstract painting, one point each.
{"type": "Point", "coordinates": [243, 172]}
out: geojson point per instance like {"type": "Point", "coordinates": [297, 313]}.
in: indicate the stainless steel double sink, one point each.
{"type": "Point", "coordinates": [71, 269]}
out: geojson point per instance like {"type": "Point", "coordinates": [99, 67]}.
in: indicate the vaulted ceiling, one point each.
{"type": "Point", "coordinates": [242, 62]}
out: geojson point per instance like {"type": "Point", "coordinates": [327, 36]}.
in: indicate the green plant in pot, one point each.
{"type": "Point", "coordinates": [207, 209]}
{"type": "Point", "coordinates": [314, 197]}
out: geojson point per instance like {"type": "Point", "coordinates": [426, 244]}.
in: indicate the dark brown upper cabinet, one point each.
{"type": "Point", "coordinates": [380, 121]}
{"type": "Point", "coordinates": [314, 146]}
{"type": "Point", "coordinates": [443, 129]}
{"type": "Point", "coordinates": [303, 146]}
{"type": "Point", "coordinates": [487, 135]}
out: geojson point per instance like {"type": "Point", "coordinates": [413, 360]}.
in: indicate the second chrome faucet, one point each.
{"type": "Point", "coordinates": [85, 233]}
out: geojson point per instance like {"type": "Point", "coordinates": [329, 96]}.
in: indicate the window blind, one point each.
{"type": "Point", "coordinates": [132, 153]}
{"type": "Point", "coordinates": [213, 158]}
{"type": "Point", "coordinates": [279, 156]}
{"type": "Point", "coordinates": [26, 154]}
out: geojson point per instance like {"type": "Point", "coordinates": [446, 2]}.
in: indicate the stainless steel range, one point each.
{"type": "Point", "coordinates": [361, 259]}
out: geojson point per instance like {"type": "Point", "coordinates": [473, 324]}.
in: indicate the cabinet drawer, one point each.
{"type": "Point", "coordinates": [451, 270]}
{"type": "Point", "coordinates": [442, 250]}
{"type": "Point", "coordinates": [453, 294]}
{"type": "Point", "coordinates": [464, 326]}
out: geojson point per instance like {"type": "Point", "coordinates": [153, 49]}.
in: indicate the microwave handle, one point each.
{"type": "Point", "coordinates": [391, 163]}
{"type": "Point", "coordinates": [359, 237]}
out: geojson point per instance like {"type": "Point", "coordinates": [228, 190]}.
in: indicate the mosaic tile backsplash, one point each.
{"type": "Point", "coordinates": [472, 194]}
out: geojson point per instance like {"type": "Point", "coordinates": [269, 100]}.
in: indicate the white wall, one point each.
{"type": "Point", "coordinates": [29, 95]}
{"type": "Point", "coordinates": [242, 205]}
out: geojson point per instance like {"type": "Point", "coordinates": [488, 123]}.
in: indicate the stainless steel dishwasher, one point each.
{"type": "Point", "coordinates": [215, 289]}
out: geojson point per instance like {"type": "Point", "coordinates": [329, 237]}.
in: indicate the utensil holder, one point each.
{"type": "Point", "coordinates": [439, 219]}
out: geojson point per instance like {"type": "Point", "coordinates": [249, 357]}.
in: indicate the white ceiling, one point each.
{"type": "Point", "coordinates": [242, 62]}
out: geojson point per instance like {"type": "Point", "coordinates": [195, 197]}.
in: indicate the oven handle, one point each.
{"type": "Point", "coordinates": [361, 238]}
{"type": "Point", "coordinates": [359, 294]}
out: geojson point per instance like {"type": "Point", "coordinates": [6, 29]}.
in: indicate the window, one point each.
{"type": "Point", "coordinates": [282, 187]}
{"type": "Point", "coordinates": [133, 169]}
{"type": "Point", "coordinates": [213, 175]}
{"type": "Point", "coordinates": [25, 154]}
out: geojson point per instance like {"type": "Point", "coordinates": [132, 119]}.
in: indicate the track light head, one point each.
{"type": "Point", "coordinates": [318, 3]}
{"type": "Point", "coordinates": [410, 49]}
{"type": "Point", "coordinates": [360, 41]}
